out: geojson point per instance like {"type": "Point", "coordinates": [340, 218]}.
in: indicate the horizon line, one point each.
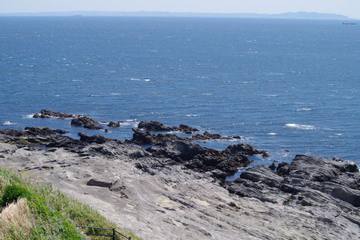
{"type": "Point", "coordinates": [88, 13]}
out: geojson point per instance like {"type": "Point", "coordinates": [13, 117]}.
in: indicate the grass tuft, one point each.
{"type": "Point", "coordinates": [50, 214]}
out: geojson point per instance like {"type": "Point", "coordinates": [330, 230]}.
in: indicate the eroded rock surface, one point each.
{"type": "Point", "coordinates": [179, 185]}
{"type": "Point", "coordinates": [307, 181]}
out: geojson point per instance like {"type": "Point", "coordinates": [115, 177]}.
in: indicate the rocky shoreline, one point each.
{"type": "Point", "coordinates": [162, 184]}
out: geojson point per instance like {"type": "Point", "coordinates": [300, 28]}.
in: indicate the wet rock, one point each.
{"type": "Point", "coordinates": [283, 169]}
{"type": "Point", "coordinates": [186, 129]}
{"type": "Point", "coordinates": [86, 122]}
{"type": "Point", "coordinates": [51, 114]}
{"type": "Point", "coordinates": [93, 139]}
{"type": "Point", "coordinates": [141, 137]}
{"type": "Point", "coordinates": [206, 136]}
{"type": "Point", "coordinates": [245, 149]}
{"type": "Point", "coordinates": [113, 124]}
{"type": "Point", "coordinates": [154, 126]}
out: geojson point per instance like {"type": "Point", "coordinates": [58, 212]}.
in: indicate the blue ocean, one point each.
{"type": "Point", "coordinates": [286, 86]}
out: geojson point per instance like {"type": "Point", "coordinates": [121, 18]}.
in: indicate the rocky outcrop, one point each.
{"type": "Point", "coordinates": [186, 129]}
{"type": "Point", "coordinates": [93, 139]}
{"type": "Point", "coordinates": [44, 113]}
{"type": "Point", "coordinates": [143, 137]}
{"type": "Point", "coordinates": [307, 181]}
{"type": "Point", "coordinates": [219, 164]}
{"type": "Point", "coordinates": [113, 124]}
{"type": "Point", "coordinates": [212, 136]}
{"type": "Point", "coordinates": [40, 137]}
{"type": "Point", "coordinates": [86, 122]}
{"type": "Point", "coordinates": [246, 149]}
{"type": "Point", "coordinates": [184, 151]}
{"type": "Point", "coordinates": [155, 126]}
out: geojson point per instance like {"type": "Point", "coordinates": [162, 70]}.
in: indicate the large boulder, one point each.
{"type": "Point", "coordinates": [44, 113]}
{"type": "Point", "coordinates": [86, 122]}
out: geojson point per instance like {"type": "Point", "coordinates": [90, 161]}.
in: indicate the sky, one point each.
{"type": "Point", "coordinates": [349, 8]}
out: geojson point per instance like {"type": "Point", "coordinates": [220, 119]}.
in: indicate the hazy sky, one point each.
{"type": "Point", "coordinates": [346, 7]}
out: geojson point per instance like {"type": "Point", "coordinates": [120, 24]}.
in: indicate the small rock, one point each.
{"type": "Point", "coordinates": [98, 183]}
{"type": "Point", "coordinates": [114, 124]}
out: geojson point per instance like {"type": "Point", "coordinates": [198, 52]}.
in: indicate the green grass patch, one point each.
{"type": "Point", "coordinates": [55, 215]}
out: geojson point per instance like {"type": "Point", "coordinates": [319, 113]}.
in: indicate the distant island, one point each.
{"type": "Point", "coordinates": [289, 15]}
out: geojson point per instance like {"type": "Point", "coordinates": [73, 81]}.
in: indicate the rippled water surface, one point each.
{"type": "Point", "coordinates": [285, 86]}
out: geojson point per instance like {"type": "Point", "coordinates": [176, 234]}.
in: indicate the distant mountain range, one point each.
{"type": "Point", "coordinates": [290, 15]}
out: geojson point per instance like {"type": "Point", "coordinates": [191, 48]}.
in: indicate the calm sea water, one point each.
{"type": "Point", "coordinates": [286, 86]}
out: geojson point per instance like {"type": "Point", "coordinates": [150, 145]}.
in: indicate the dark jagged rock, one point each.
{"type": "Point", "coordinates": [206, 136]}
{"type": "Point", "coordinates": [212, 136]}
{"type": "Point", "coordinates": [40, 137]}
{"type": "Point", "coordinates": [154, 126]}
{"type": "Point", "coordinates": [51, 114]}
{"type": "Point", "coordinates": [245, 149]}
{"type": "Point", "coordinates": [93, 139]}
{"type": "Point", "coordinates": [86, 122]}
{"type": "Point", "coordinates": [43, 131]}
{"type": "Point", "coordinates": [184, 151]}
{"type": "Point", "coordinates": [186, 129]}
{"type": "Point", "coordinates": [308, 181]}
{"type": "Point", "coordinates": [141, 137]}
{"type": "Point", "coordinates": [113, 124]}
{"type": "Point", "coordinates": [201, 159]}
{"type": "Point", "coordinates": [179, 151]}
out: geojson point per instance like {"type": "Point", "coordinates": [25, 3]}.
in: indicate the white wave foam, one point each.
{"type": "Point", "coordinates": [147, 79]}
{"type": "Point", "coordinates": [8, 123]}
{"type": "Point", "coordinates": [271, 95]}
{"type": "Point", "coordinates": [130, 122]}
{"type": "Point", "coordinates": [29, 116]}
{"type": "Point", "coordinates": [304, 109]}
{"type": "Point", "coordinates": [300, 126]}
{"type": "Point", "coordinates": [191, 115]}
{"type": "Point", "coordinates": [272, 134]}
